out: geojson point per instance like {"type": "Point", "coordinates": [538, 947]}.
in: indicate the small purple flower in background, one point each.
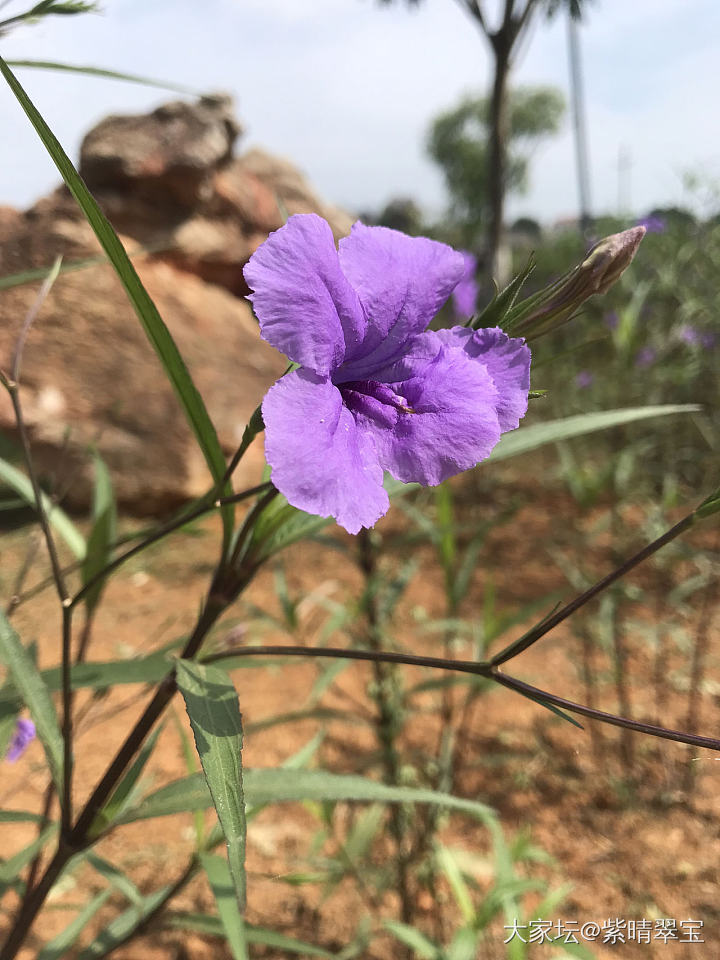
{"type": "Point", "coordinates": [584, 379]}
{"type": "Point", "coordinates": [689, 335]}
{"type": "Point", "coordinates": [464, 296]}
{"type": "Point", "coordinates": [611, 320]}
{"type": "Point", "coordinates": [646, 357]}
{"type": "Point", "coordinates": [652, 224]}
{"type": "Point", "coordinates": [21, 739]}
{"type": "Point", "coordinates": [375, 390]}
{"type": "Point", "coordinates": [708, 340]}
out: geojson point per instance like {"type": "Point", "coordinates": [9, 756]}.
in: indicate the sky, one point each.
{"type": "Point", "coordinates": [347, 88]}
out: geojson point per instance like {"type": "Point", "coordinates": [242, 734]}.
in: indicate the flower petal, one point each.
{"type": "Point", "coordinates": [305, 305]}
{"type": "Point", "coordinates": [508, 362]}
{"type": "Point", "coordinates": [319, 459]}
{"type": "Point", "coordinates": [452, 423]}
{"type": "Point", "coordinates": [401, 281]}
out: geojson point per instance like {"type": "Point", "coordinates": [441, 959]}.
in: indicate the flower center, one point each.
{"type": "Point", "coordinates": [372, 398]}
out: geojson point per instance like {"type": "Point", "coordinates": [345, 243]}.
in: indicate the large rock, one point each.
{"type": "Point", "coordinates": [170, 181]}
{"type": "Point", "coordinates": [89, 376]}
{"type": "Point", "coordinates": [90, 379]}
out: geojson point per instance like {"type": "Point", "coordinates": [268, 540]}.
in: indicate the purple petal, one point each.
{"type": "Point", "coordinates": [319, 459]}
{"type": "Point", "coordinates": [507, 360]}
{"type": "Point", "coordinates": [21, 739]}
{"type": "Point", "coordinates": [464, 296]}
{"type": "Point", "coordinates": [306, 307]}
{"type": "Point", "coordinates": [402, 282]}
{"type": "Point", "coordinates": [451, 423]}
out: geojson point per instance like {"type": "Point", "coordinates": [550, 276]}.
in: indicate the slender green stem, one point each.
{"type": "Point", "coordinates": [483, 669]}
{"type": "Point", "coordinates": [205, 507]}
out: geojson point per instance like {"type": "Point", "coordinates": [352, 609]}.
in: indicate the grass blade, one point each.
{"type": "Point", "coordinates": [103, 74]}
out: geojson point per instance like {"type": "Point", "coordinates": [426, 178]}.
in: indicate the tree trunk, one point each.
{"type": "Point", "coordinates": [497, 263]}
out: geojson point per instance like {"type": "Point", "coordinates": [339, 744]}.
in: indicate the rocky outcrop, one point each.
{"type": "Point", "coordinates": [171, 186]}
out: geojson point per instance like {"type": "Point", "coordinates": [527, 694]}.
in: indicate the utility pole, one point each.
{"type": "Point", "coordinates": [578, 111]}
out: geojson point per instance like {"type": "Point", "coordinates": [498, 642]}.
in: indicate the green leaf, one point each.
{"type": "Point", "coordinates": [453, 874]}
{"type": "Point", "coordinates": [122, 796]}
{"type": "Point", "coordinates": [35, 695]}
{"type": "Point", "coordinates": [155, 329]}
{"type": "Point", "coordinates": [122, 928]}
{"type": "Point", "coordinates": [116, 877]}
{"type": "Point", "coordinates": [57, 948]}
{"type": "Point", "coordinates": [10, 868]}
{"type": "Point", "coordinates": [100, 72]}
{"type": "Point", "coordinates": [212, 706]}
{"type": "Point", "coordinates": [280, 525]}
{"type": "Point", "coordinates": [102, 535]}
{"type": "Point", "coordinates": [19, 816]}
{"type": "Point", "coordinates": [495, 312]}
{"type": "Point", "coordinates": [59, 520]}
{"type": "Point", "coordinates": [277, 786]}
{"type": "Point", "coordinates": [538, 434]}
{"type": "Point", "coordinates": [422, 948]}
{"type": "Point", "coordinates": [221, 884]}
{"type": "Point", "coordinates": [208, 924]}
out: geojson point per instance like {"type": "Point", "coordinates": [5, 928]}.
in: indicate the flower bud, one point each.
{"type": "Point", "coordinates": [557, 303]}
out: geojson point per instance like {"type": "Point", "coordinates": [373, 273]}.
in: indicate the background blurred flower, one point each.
{"type": "Point", "coordinates": [688, 334]}
{"type": "Point", "coordinates": [584, 379]}
{"type": "Point", "coordinates": [652, 224]}
{"type": "Point", "coordinates": [21, 739]}
{"type": "Point", "coordinates": [646, 357]}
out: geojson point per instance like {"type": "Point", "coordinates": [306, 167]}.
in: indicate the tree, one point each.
{"type": "Point", "coordinates": [504, 39]}
{"type": "Point", "coordinates": [460, 142]}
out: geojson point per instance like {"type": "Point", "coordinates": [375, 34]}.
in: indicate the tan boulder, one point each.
{"type": "Point", "coordinates": [190, 213]}
{"type": "Point", "coordinates": [91, 379]}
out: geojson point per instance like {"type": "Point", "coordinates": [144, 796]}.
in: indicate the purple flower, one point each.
{"type": "Point", "coordinates": [646, 357]}
{"type": "Point", "coordinates": [652, 224]}
{"type": "Point", "coordinates": [375, 390]}
{"type": "Point", "coordinates": [464, 296]}
{"type": "Point", "coordinates": [689, 335]}
{"type": "Point", "coordinates": [708, 340]}
{"type": "Point", "coordinates": [21, 739]}
{"type": "Point", "coordinates": [584, 379]}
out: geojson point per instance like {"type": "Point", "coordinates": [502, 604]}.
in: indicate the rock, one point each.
{"type": "Point", "coordinates": [90, 379]}
{"type": "Point", "coordinates": [165, 157]}
{"type": "Point", "coordinates": [170, 186]}
{"type": "Point", "coordinates": [169, 181]}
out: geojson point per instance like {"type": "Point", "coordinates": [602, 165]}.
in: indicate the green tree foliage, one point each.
{"type": "Point", "coordinates": [460, 142]}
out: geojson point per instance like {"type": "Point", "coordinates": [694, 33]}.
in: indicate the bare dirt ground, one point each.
{"type": "Point", "coordinates": [620, 829]}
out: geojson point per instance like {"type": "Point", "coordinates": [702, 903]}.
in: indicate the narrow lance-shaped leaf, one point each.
{"type": "Point", "coordinates": [233, 924]}
{"type": "Point", "coordinates": [35, 696]}
{"type": "Point", "coordinates": [277, 786]}
{"type": "Point", "coordinates": [155, 329]}
{"type": "Point", "coordinates": [212, 706]}
{"type": "Point", "coordinates": [102, 73]}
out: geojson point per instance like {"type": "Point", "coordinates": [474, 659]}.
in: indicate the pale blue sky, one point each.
{"type": "Point", "coordinates": [346, 89]}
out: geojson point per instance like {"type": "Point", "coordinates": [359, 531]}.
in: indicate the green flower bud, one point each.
{"type": "Point", "coordinates": [558, 303]}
